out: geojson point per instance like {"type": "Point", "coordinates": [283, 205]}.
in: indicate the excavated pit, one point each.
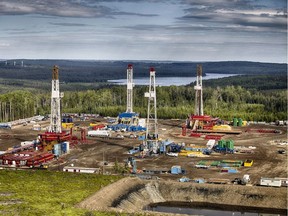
{"type": "Point", "coordinates": [133, 195]}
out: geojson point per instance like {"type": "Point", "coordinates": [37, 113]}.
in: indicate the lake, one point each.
{"type": "Point", "coordinates": [168, 81]}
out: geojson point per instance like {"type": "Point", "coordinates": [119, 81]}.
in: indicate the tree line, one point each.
{"type": "Point", "coordinates": [224, 102]}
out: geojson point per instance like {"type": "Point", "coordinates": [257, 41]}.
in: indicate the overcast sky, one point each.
{"type": "Point", "coordinates": [183, 30]}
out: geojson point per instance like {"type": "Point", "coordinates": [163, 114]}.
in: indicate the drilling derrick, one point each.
{"type": "Point", "coordinates": [54, 134]}
{"type": "Point", "coordinates": [198, 93]}
{"type": "Point", "coordinates": [151, 122]}
{"type": "Point", "coordinates": [55, 119]}
{"type": "Point", "coordinates": [128, 120]}
{"type": "Point", "coordinates": [129, 89]}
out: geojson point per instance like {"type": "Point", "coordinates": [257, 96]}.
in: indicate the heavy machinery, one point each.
{"type": "Point", "coordinates": [131, 162]}
{"type": "Point", "coordinates": [242, 181]}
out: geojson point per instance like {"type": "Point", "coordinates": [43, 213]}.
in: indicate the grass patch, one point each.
{"type": "Point", "coordinates": [49, 193]}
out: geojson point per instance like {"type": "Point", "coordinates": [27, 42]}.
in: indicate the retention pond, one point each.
{"type": "Point", "coordinates": [210, 209]}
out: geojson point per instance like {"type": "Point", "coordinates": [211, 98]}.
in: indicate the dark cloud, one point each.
{"type": "Point", "coordinates": [246, 13]}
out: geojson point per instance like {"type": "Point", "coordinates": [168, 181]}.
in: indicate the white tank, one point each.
{"type": "Point", "coordinates": [142, 122]}
{"type": "Point", "coordinates": [100, 133]}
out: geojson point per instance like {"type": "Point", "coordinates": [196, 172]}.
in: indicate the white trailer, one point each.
{"type": "Point", "coordinates": [284, 181]}
{"type": "Point", "coordinates": [27, 143]}
{"type": "Point", "coordinates": [81, 170]}
{"type": "Point", "coordinates": [272, 182]}
{"type": "Point", "coordinates": [99, 133]}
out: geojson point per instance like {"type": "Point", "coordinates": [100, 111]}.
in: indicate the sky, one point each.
{"type": "Point", "coordinates": [166, 30]}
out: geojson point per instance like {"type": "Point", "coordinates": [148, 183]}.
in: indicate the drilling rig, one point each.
{"type": "Point", "coordinates": [129, 120]}
{"type": "Point", "coordinates": [54, 134]}
{"type": "Point", "coordinates": [200, 123]}
{"type": "Point", "coordinates": [151, 142]}
{"type": "Point", "coordinates": [130, 86]}
{"type": "Point", "coordinates": [55, 118]}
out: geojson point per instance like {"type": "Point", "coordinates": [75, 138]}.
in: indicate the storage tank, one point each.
{"type": "Point", "coordinates": [221, 143]}
{"type": "Point", "coordinates": [57, 150]}
{"type": "Point", "coordinates": [142, 122]}
{"type": "Point", "coordinates": [230, 144]}
{"type": "Point", "coordinates": [99, 133]}
{"type": "Point", "coordinates": [240, 122]}
{"type": "Point", "coordinates": [235, 121]}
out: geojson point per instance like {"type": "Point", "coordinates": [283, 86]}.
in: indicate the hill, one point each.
{"type": "Point", "coordinates": [101, 71]}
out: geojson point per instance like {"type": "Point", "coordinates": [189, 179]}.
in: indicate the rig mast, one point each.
{"type": "Point", "coordinates": [151, 124]}
{"type": "Point", "coordinates": [129, 89]}
{"type": "Point", "coordinates": [55, 118]}
{"type": "Point", "coordinates": [198, 93]}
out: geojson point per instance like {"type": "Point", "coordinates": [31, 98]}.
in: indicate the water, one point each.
{"type": "Point", "coordinates": [204, 212]}
{"type": "Point", "coordinates": [168, 81]}
{"type": "Point", "coordinates": [209, 212]}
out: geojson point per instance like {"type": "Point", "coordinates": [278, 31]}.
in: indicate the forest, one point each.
{"type": "Point", "coordinates": [225, 101]}
{"type": "Point", "coordinates": [260, 97]}
{"type": "Point", "coordinates": [101, 71]}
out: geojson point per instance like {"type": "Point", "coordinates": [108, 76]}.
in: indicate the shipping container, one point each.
{"type": "Point", "coordinates": [65, 147]}
{"type": "Point", "coordinates": [57, 150]}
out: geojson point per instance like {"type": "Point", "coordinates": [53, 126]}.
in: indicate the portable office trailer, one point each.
{"type": "Point", "coordinates": [272, 182]}
{"type": "Point", "coordinates": [284, 181]}
{"type": "Point", "coordinates": [81, 170]}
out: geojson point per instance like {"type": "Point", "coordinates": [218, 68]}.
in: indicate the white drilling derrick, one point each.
{"type": "Point", "coordinates": [129, 89]}
{"type": "Point", "coordinates": [55, 118]}
{"type": "Point", "coordinates": [198, 93]}
{"type": "Point", "coordinates": [151, 122]}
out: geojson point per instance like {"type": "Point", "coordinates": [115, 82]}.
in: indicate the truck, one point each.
{"type": "Point", "coordinates": [134, 150]}
{"type": "Point", "coordinates": [5, 126]}
{"type": "Point", "coordinates": [280, 122]}
{"type": "Point", "coordinates": [245, 180]}
{"type": "Point", "coordinates": [99, 133]}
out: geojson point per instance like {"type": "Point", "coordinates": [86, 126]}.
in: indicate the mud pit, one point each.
{"type": "Point", "coordinates": [103, 153]}
{"type": "Point", "coordinates": [133, 195]}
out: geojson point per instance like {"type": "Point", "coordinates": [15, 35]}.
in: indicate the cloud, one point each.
{"type": "Point", "coordinates": [4, 44]}
{"type": "Point", "coordinates": [63, 8]}
{"type": "Point", "coordinates": [69, 24]}
{"type": "Point", "coordinates": [245, 13]}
